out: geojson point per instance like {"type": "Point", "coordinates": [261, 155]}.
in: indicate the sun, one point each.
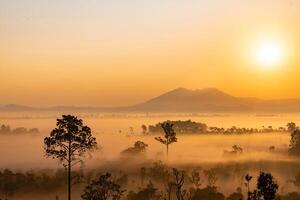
{"type": "Point", "coordinates": [269, 54]}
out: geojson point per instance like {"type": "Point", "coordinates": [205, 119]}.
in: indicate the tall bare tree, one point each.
{"type": "Point", "coordinates": [178, 184]}
{"type": "Point", "coordinates": [247, 183]}
{"type": "Point", "coordinates": [169, 137]}
{"type": "Point", "coordinates": [68, 143]}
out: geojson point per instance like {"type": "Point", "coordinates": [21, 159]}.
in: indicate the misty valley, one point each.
{"type": "Point", "coordinates": [149, 100]}
{"type": "Point", "coordinates": [150, 156]}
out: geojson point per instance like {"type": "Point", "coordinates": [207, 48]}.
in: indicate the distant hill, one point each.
{"type": "Point", "coordinates": [214, 100]}
{"type": "Point", "coordinates": [185, 100]}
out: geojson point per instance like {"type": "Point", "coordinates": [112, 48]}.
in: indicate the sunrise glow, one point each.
{"type": "Point", "coordinates": [269, 54]}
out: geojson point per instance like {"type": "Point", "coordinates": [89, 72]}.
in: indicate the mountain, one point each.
{"type": "Point", "coordinates": [184, 100]}
{"type": "Point", "coordinates": [213, 100]}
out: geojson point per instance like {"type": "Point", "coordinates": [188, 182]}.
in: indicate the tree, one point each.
{"type": "Point", "coordinates": [103, 189]}
{"type": "Point", "coordinates": [144, 129]}
{"type": "Point", "coordinates": [208, 193]}
{"type": "Point", "coordinates": [68, 142]}
{"type": "Point", "coordinates": [195, 179]}
{"type": "Point", "coordinates": [143, 173]}
{"type": "Point", "coordinates": [291, 126]}
{"type": "Point", "coordinates": [170, 135]}
{"type": "Point", "coordinates": [236, 150]}
{"type": "Point", "coordinates": [147, 193]}
{"type": "Point", "coordinates": [266, 186]}
{"type": "Point", "coordinates": [138, 148]}
{"type": "Point", "coordinates": [248, 179]}
{"type": "Point", "coordinates": [211, 176]}
{"type": "Point", "coordinates": [178, 183]}
{"type": "Point", "coordinates": [294, 147]}
{"type": "Point", "coordinates": [159, 172]}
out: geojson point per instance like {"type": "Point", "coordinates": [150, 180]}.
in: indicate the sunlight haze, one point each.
{"type": "Point", "coordinates": [110, 53]}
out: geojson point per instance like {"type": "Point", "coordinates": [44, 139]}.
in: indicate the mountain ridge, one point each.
{"type": "Point", "coordinates": [185, 100]}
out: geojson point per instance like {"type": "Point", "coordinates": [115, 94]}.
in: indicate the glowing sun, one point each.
{"type": "Point", "coordinates": [269, 54]}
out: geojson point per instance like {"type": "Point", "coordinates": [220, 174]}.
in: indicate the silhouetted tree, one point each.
{"type": "Point", "coordinates": [4, 129]}
{"type": "Point", "coordinates": [147, 193]}
{"type": "Point", "coordinates": [248, 179]}
{"type": "Point", "coordinates": [195, 179]}
{"type": "Point", "coordinates": [272, 148]}
{"type": "Point", "coordinates": [143, 173]}
{"type": "Point", "coordinates": [169, 187]}
{"type": "Point", "coordinates": [211, 176]}
{"type": "Point", "coordinates": [144, 129]}
{"type": "Point", "coordinates": [103, 189]}
{"type": "Point", "coordinates": [178, 184]}
{"type": "Point", "coordinates": [208, 193]}
{"type": "Point", "coordinates": [294, 147]}
{"type": "Point", "coordinates": [291, 126]}
{"type": "Point", "coordinates": [68, 142]}
{"type": "Point", "coordinates": [236, 150]}
{"type": "Point", "coordinates": [159, 172]}
{"type": "Point", "coordinates": [179, 126]}
{"type": "Point", "coordinates": [131, 131]}
{"type": "Point", "coordinates": [138, 148]}
{"type": "Point", "coordinates": [170, 136]}
{"type": "Point", "coordinates": [267, 186]}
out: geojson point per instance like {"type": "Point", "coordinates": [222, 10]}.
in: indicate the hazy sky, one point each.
{"type": "Point", "coordinates": [120, 52]}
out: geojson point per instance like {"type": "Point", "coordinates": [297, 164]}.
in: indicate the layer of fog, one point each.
{"type": "Point", "coordinates": [25, 152]}
{"type": "Point", "coordinates": [113, 135]}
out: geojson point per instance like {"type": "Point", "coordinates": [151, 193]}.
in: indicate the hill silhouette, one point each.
{"type": "Point", "coordinates": [185, 100]}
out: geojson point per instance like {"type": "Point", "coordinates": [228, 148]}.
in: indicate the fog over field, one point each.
{"type": "Point", "coordinates": [117, 132]}
{"type": "Point", "coordinates": [113, 134]}
{"type": "Point", "coordinates": [150, 100]}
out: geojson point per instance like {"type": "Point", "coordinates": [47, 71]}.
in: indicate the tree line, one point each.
{"type": "Point", "coordinates": [6, 129]}
{"type": "Point", "coordinates": [192, 127]}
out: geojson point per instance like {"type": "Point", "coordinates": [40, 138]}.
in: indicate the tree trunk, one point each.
{"type": "Point", "coordinates": [248, 198]}
{"type": "Point", "coordinates": [69, 182]}
{"type": "Point", "coordinates": [69, 172]}
{"type": "Point", "coordinates": [167, 150]}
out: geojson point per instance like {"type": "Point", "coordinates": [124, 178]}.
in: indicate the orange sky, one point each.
{"type": "Point", "coordinates": [59, 52]}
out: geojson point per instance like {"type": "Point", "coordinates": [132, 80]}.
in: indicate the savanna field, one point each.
{"type": "Point", "coordinates": [193, 152]}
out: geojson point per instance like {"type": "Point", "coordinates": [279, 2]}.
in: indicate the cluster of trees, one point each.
{"type": "Point", "coordinates": [294, 147]}
{"type": "Point", "coordinates": [266, 187]}
{"type": "Point", "coordinates": [236, 150]}
{"type": "Point", "coordinates": [12, 183]}
{"type": "Point", "coordinates": [5, 129]}
{"type": "Point", "coordinates": [189, 126]}
{"type": "Point", "coordinates": [239, 130]}
{"type": "Point", "coordinates": [179, 126]}
{"type": "Point", "coordinates": [138, 148]}
{"type": "Point", "coordinates": [180, 185]}
{"type": "Point", "coordinates": [157, 182]}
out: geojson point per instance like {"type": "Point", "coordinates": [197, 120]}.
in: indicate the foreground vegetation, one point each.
{"type": "Point", "coordinates": [149, 181]}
